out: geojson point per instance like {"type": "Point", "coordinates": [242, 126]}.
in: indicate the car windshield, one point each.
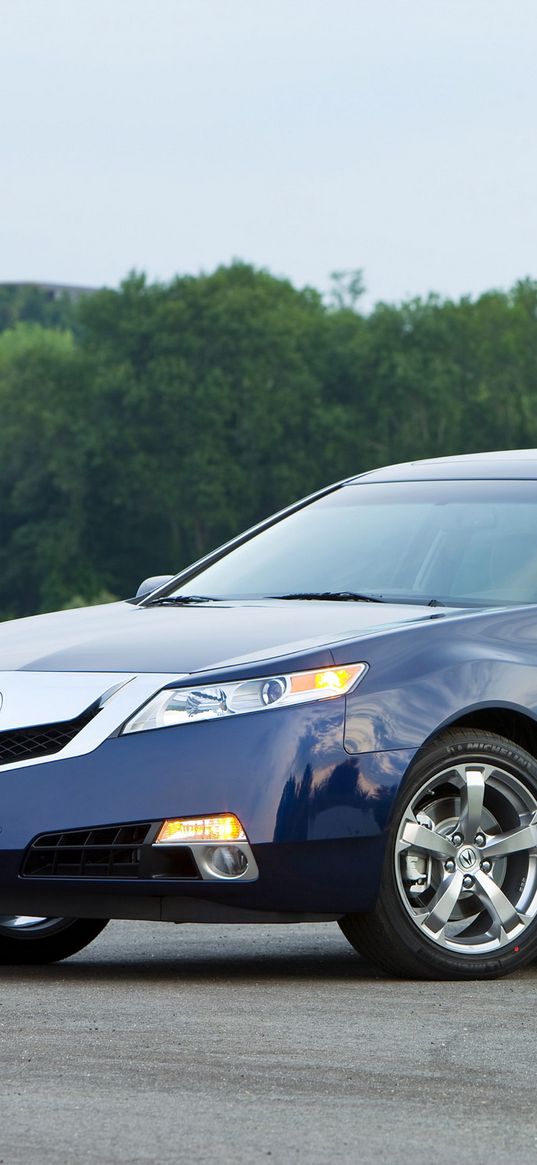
{"type": "Point", "coordinates": [455, 542]}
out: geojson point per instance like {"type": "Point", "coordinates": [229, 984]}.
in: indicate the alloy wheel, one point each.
{"type": "Point", "coordinates": [466, 858]}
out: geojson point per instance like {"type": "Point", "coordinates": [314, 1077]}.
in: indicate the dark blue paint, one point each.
{"type": "Point", "coordinates": [285, 773]}
{"type": "Point", "coordinates": [422, 679]}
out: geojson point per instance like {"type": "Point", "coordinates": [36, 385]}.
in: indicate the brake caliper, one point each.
{"type": "Point", "coordinates": [418, 867]}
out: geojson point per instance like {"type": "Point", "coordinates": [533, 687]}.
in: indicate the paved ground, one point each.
{"type": "Point", "coordinates": [244, 1044]}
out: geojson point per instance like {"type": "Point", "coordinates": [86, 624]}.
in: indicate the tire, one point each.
{"type": "Point", "coordinates": [458, 895]}
{"type": "Point", "coordinates": [25, 940]}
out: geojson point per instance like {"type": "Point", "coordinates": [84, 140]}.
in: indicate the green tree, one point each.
{"type": "Point", "coordinates": [29, 303]}
{"type": "Point", "coordinates": [168, 417]}
{"type": "Point", "coordinates": [41, 483]}
{"type": "Point", "coordinates": [208, 405]}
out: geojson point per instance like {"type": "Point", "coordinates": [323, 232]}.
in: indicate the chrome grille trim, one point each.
{"type": "Point", "coordinates": [43, 740]}
{"type": "Point", "coordinates": [132, 692]}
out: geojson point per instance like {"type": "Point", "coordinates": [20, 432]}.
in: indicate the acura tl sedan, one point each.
{"type": "Point", "coordinates": [333, 717]}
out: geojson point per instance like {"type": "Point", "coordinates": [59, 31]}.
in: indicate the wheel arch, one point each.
{"type": "Point", "coordinates": [503, 719]}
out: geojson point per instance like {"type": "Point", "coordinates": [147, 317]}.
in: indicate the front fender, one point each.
{"type": "Point", "coordinates": [421, 679]}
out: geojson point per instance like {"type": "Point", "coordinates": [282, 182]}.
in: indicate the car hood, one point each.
{"type": "Point", "coordinates": [121, 637]}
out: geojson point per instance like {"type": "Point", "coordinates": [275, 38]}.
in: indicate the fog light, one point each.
{"type": "Point", "coordinates": [228, 860]}
{"type": "Point", "coordinates": [187, 829]}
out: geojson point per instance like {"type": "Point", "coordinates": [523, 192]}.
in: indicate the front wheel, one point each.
{"type": "Point", "coordinates": [25, 939]}
{"type": "Point", "coordinates": [458, 897]}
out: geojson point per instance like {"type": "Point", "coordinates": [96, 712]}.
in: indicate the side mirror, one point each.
{"type": "Point", "coordinates": [152, 584]}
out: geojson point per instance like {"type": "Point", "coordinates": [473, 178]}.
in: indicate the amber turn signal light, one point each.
{"type": "Point", "coordinates": [188, 829]}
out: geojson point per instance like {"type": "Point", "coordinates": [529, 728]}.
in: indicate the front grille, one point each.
{"type": "Point", "coordinates": [117, 851]}
{"type": "Point", "coordinates": [41, 740]}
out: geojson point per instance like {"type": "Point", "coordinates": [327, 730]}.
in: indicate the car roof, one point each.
{"type": "Point", "coordinates": [508, 463]}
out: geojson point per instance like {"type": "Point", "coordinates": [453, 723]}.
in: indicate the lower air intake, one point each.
{"type": "Point", "coordinates": [117, 851]}
{"type": "Point", "coordinates": [90, 853]}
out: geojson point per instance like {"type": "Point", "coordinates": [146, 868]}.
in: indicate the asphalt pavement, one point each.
{"type": "Point", "coordinates": [164, 1043]}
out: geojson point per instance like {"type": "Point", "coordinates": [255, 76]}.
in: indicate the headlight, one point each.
{"type": "Point", "coordinates": [188, 705]}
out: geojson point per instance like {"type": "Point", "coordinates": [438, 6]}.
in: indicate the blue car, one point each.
{"type": "Point", "coordinates": [334, 717]}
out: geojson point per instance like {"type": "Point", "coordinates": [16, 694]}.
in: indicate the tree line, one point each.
{"type": "Point", "coordinates": [142, 426]}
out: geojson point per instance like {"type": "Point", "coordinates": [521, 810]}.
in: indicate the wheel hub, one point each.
{"type": "Point", "coordinates": [467, 859]}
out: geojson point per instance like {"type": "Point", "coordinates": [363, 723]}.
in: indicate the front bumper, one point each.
{"type": "Point", "coordinates": [315, 817]}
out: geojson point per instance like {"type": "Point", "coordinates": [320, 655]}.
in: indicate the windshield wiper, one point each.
{"type": "Point", "coordinates": [332, 596]}
{"type": "Point", "coordinates": [180, 600]}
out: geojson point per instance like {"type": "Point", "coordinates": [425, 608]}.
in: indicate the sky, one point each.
{"type": "Point", "coordinates": [303, 136]}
